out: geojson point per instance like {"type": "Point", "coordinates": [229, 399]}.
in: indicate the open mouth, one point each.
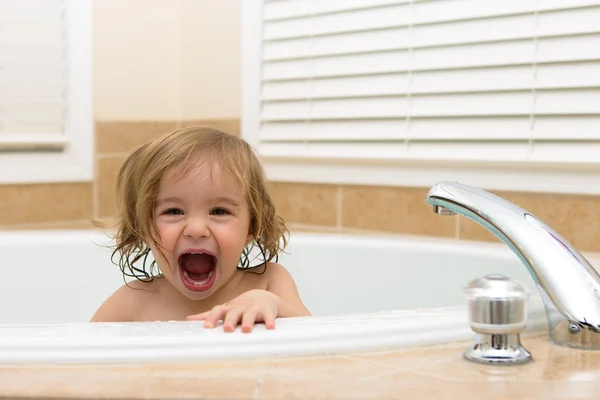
{"type": "Point", "coordinates": [198, 270]}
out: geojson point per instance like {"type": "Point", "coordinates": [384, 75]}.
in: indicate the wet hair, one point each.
{"type": "Point", "coordinates": [137, 188]}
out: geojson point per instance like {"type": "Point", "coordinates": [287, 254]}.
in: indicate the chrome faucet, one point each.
{"type": "Point", "coordinates": [568, 285]}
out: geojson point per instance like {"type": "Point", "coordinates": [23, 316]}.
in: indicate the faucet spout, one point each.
{"type": "Point", "coordinates": [568, 285]}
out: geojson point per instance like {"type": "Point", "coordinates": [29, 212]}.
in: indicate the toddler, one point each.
{"type": "Point", "coordinates": [196, 199]}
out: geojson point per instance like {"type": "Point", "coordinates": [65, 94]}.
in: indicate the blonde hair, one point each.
{"type": "Point", "coordinates": [140, 176]}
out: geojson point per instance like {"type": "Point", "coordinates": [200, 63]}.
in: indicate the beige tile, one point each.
{"type": "Point", "coordinates": [229, 125]}
{"type": "Point", "coordinates": [60, 225]}
{"type": "Point", "coordinates": [124, 136]}
{"type": "Point", "coordinates": [469, 230]}
{"type": "Point", "coordinates": [408, 358]}
{"type": "Point", "coordinates": [334, 367]}
{"type": "Point", "coordinates": [139, 382]}
{"type": "Point", "coordinates": [446, 363]}
{"type": "Point", "coordinates": [576, 218]}
{"type": "Point", "coordinates": [338, 377]}
{"type": "Point", "coordinates": [406, 385]}
{"type": "Point", "coordinates": [403, 385]}
{"type": "Point", "coordinates": [393, 209]}
{"type": "Point", "coordinates": [44, 203]}
{"type": "Point", "coordinates": [107, 171]}
{"type": "Point", "coordinates": [308, 204]}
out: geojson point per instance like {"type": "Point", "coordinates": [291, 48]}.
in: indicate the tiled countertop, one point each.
{"type": "Point", "coordinates": [435, 372]}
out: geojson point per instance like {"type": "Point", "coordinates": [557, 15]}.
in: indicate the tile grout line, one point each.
{"type": "Point", "coordinates": [457, 227]}
{"type": "Point", "coordinates": [339, 204]}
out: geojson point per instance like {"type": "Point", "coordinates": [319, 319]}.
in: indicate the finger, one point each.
{"type": "Point", "coordinates": [214, 316]}
{"type": "Point", "coordinates": [269, 319]}
{"type": "Point", "coordinates": [197, 317]}
{"type": "Point", "coordinates": [231, 320]}
{"type": "Point", "coordinates": [248, 320]}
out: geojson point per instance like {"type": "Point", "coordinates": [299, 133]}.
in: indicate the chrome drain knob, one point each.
{"type": "Point", "coordinates": [497, 308]}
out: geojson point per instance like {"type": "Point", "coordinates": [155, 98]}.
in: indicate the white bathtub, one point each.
{"type": "Point", "coordinates": [365, 293]}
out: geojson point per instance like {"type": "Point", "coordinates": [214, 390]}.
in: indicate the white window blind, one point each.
{"type": "Point", "coordinates": [46, 122]}
{"type": "Point", "coordinates": [33, 70]}
{"type": "Point", "coordinates": [452, 80]}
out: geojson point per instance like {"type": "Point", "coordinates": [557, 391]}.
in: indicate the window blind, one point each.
{"type": "Point", "coordinates": [33, 74]}
{"type": "Point", "coordinates": [486, 80]}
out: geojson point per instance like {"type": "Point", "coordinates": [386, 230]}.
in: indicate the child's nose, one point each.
{"type": "Point", "coordinates": [196, 227]}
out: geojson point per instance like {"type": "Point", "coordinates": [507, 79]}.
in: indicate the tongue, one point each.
{"type": "Point", "coordinates": [197, 264]}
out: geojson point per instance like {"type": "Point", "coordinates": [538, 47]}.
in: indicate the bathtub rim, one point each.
{"type": "Point", "coordinates": [293, 337]}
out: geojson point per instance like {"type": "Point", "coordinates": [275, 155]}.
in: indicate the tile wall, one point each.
{"type": "Point", "coordinates": [402, 210]}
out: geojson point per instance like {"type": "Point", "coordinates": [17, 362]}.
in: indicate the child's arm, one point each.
{"type": "Point", "coordinates": [281, 283]}
{"type": "Point", "coordinates": [117, 308]}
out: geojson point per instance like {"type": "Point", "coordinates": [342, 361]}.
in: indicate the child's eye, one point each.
{"type": "Point", "coordinates": [173, 211]}
{"type": "Point", "coordinates": [219, 211]}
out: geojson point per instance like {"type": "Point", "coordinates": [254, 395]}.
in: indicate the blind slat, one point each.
{"type": "Point", "coordinates": [336, 109]}
{"type": "Point", "coordinates": [478, 55]}
{"type": "Point", "coordinates": [565, 127]}
{"type": "Point", "coordinates": [570, 152]}
{"type": "Point", "coordinates": [469, 151]}
{"type": "Point", "coordinates": [377, 85]}
{"type": "Point", "coordinates": [510, 128]}
{"type": "Point", "coordinates": [584, 74]}
{"type": "Point", "coordinates": [569, 22]}
{"type": "Point", "coordinates": [584, 101]}
{"type": "Point", "coordinates": [428, 12]}
{"type": "Point", "coordinates": [334, 130]}
{"type": "Point", "coordinates": [338, 66]}
{"type": "Point", "coordinates": [300, 8]}
{"type": "Point", "coordinates": [569, 48]}
{"type": "Point", "coordinates": [370, 41]}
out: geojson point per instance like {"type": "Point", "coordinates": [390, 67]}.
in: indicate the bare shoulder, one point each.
{"type": "Point", "coordinates": [277, 274]}
{"type": "Point", "coordinates": [126, 302]}
{"type": "Point", "coordinates": [281, 283]}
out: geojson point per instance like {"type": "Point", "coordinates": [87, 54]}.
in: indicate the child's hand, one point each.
{"type": "Point", "coordinates": [250, 307]}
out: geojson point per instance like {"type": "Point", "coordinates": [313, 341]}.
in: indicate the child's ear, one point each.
{"type": "Point", "coordinates": [249, 238]}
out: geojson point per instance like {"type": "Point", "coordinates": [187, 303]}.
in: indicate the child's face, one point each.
{"type": "Point", "coordinates": [203, 223]}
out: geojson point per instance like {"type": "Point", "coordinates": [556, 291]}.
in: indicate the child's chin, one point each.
{"type": "Point", "coordinates": [198, 295]}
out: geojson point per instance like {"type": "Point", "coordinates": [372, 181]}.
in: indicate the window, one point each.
{"type": "Point", "coordinates": [498, 94]}
{"type": "Point", "coordinates": [46, 117]}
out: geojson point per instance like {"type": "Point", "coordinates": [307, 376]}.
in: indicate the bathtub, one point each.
{"type": "Point", "coordinates": [365, 293]}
